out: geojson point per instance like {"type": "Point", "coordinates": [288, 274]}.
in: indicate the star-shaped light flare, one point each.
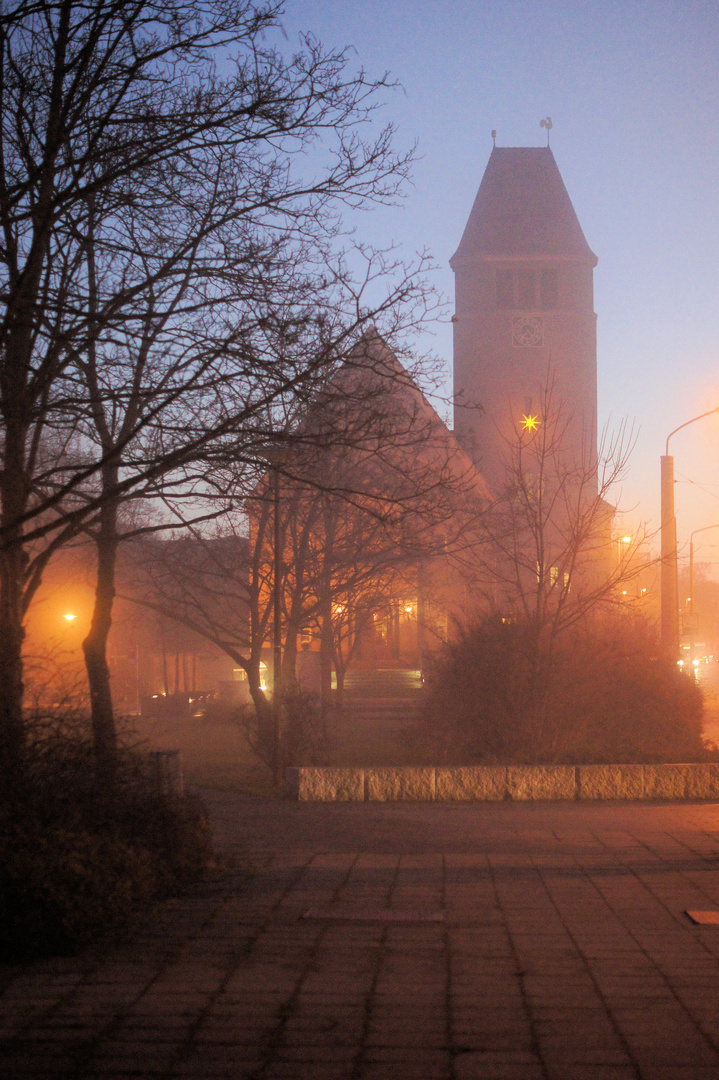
{"type": "Point", "coordinates": [530, 423]}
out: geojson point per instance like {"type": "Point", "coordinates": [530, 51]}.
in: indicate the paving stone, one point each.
{"type": "Point", "coordinates": [667, 781]}
{"type": "Point", "coordinates": [541, 782]}
{"type": "Point", "coordinates": [702, 781]}
{"type": "Point", "coordinates": [498, 1066]}
{"type": "Point", "coordinates": [325, 784]}
{"type": "Point", "coordinates": [477, 782]}
{"type": "Point", "coordinates": [610, 781]}
{"type": "Point", "coordinates": [566, 925]}
{"type": "Point", "coordinates": [390, 784]}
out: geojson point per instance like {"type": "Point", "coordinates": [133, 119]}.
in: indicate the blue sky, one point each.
{"type": "Point", "coordinates": [633, 92]}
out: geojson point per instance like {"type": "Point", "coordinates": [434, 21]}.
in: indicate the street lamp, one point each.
{"type": "Point", "coordinates": [691, 563]}
{"type": "Point", "coordinates": [622, 540]}
{"type": "Point", "coordinates": [669, 590]}
{"type": "Point", "coordinates": [692, 624]}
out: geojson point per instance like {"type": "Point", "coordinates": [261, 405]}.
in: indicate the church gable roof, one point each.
{"type": "Point", "coordinates": [374, 407]}
{"type": "Point", "coordinates": [522, 209]}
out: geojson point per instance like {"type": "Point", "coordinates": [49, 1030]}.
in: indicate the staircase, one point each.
{"type": "Point", "coordinates": [379, 715]}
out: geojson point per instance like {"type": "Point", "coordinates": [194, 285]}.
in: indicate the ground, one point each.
{"type": "Point", "coordinates": [543, 941]}
{"type": "Point", "coordinates": [396, 942]}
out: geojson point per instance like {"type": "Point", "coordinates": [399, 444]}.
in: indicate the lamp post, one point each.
{"type": "Point", "coordinates": [621, 542]}
{"type": "Point", "coordinates": [669, 590]}
{"type": "Point", "coordinates": [691, 563]}
{"type": "Point", "coordinates": [691, 581]}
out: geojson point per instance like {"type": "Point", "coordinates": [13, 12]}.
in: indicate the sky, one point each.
{"type": "Point", "coordinates": [633, 92]}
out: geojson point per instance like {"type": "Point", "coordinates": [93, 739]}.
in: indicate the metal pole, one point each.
{"type": "Point", "coordinates": [670, 573]}
{"type": "Point", "coordinates": [277, 633]}
{"type": "Point", "coordinates": [691, 579]}
{"type": "Point", "coordinates": [669, 605]}
{"type": "Point", "coordinates": [692, 629]}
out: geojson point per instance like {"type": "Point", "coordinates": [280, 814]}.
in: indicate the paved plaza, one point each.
{"type": "Point", "coordinates": [403, 941]}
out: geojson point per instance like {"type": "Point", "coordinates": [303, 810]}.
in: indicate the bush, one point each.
{"type": "Point", "coordinates": [306, 737]}
{"type": "Point", "coordinates": [76, 858]}
{"type": "Point", "coordinates": [508, 693]}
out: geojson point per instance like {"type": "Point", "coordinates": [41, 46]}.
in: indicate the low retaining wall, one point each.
{"type": "Point", "coordinates": [495, 783]}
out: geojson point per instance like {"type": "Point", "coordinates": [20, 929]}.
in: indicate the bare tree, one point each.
{"type": "Point", "coordinates": [549, 554]}
{"type": "Point", "coordinates": [372, 488]}
{"type": "Point", "coordinates": [172, 268]}
{"type": "Point", "coordinates": [550, 528]}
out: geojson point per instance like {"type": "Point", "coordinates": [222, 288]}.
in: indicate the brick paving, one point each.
{"type": "Point", "coordinates": [558, 949]}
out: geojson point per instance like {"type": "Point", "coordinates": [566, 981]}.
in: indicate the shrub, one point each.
{"type": "Point", "coordinates": [59, 889]}
{"type": "Point", "coordinates": [306, 737]}
{"type": "Point", "coordinates": [76, 858]}
{"type": "Point", "coordinates": [509, 693]}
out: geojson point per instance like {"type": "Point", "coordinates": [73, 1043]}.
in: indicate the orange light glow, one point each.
{"type": "Point", "coordinates": [530, 423]}
{"type": "Point", "coordinates": [70, 618]}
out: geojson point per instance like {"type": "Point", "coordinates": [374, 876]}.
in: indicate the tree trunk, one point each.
{"type": "Point", "coordinates": [340, 669]}
{"type": "Point", "coordinates": [326, 647]}
{"type": "Point", "coordinates": [95, 649]}
{"type": "Point", "coordinates": [13, 564]}
{"type": "Point", "coordinates": [12, 634]}
{"type": "Point", "coordinates": [289, 660]}
{"type": "Point", "coordinates": [266, 735]}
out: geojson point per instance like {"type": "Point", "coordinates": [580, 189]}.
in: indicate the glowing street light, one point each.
{"type": "Point", "coordinates": [529, 423]}
{"type": "Point", "coordinates": [622, 541]}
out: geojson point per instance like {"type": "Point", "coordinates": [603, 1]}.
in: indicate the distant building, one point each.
{"type": "Point", "coordinates": [524, 309]}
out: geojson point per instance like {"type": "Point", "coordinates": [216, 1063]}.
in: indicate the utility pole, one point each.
{"type": "Point", "coordinates": [669, 598]}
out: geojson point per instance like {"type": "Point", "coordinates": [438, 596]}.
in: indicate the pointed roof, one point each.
{"type": "Point", "coordinates": [522, 209]}
{"type": "Point", "coordinates": [372, 398]}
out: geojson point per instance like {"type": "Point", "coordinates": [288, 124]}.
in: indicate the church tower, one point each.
{"type": "Point", "coordinates": [524, 310]}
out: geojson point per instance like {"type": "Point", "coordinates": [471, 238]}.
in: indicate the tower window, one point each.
{"type": "Point", "coordinates": [505, 289]}
{"type": "Point", "coordinates": [526, 288]}
{"type": "Point", "coordinates": [549, 288]}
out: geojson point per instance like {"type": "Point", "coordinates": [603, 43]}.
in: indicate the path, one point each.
{"type": "Point", "coordinates": [561, 953]}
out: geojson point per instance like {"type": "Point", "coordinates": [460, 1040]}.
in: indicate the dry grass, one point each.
{"type": "Point", "coordinates": [215, 753]}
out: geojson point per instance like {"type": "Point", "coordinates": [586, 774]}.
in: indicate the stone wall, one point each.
{"type": "Point", "coordinates": [495, 783]}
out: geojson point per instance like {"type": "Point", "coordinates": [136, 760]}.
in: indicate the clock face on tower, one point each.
{"type": "Point", "coordinates": [527, 330]}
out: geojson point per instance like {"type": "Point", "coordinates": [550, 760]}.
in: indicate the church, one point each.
{"type": "Point", "coordinates": [524, 309]}
{"type": "Point", "coordinates": [525, 417]}
{"type": "Point", "coordinates": [364, 590]}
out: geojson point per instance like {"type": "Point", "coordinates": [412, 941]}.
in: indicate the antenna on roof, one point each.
{"type": "Point", "coordinates": [494, 138]}
{"type": "Point", "coordinates": [546, 123]}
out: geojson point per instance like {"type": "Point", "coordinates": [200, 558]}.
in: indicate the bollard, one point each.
{"type": "Point", "coordinates": [166, 772]}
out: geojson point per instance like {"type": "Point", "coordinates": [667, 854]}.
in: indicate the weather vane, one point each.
{"type": "Point", "coordinates": [494, 137]}
{"type": "Point", "coordinates": [546, 123]}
